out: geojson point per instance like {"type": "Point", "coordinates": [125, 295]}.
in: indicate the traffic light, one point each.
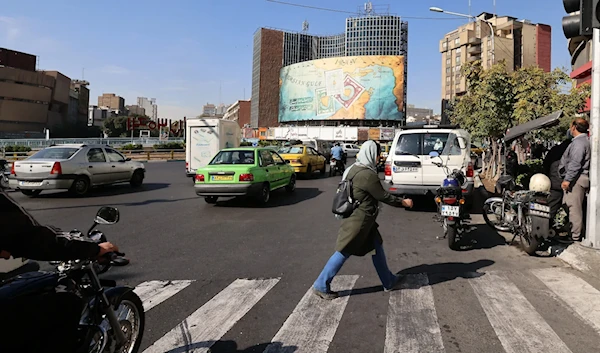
{"type": "Point", "coordinates": [583, 23]}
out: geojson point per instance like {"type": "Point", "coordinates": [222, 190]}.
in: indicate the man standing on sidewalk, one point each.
{"type": "Point", "coordinates": [574, 169]}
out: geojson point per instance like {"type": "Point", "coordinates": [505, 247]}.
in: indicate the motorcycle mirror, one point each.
{"type": "Point", "coordinates": [107, 215]}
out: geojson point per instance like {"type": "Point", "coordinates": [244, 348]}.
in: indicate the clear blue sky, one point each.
{"type": "Point", "coordinates": [181, 51]}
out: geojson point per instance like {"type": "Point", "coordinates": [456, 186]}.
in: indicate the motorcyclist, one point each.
{"type": "Point", "coordinates": [337, 153]}
{"type": "Point", "coordinates": [551, 163]}
{"type": "Point", "coordinates": [48, 322]}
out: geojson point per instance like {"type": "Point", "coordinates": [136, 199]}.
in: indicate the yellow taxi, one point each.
{"type": "Point", "coordinates": [305, 160]}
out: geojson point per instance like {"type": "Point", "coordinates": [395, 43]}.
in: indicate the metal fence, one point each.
{"type": "Point", "coordinates": [111, 141]}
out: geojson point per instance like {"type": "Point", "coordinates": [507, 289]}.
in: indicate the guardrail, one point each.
{"type": "Point", "coordinates": [111, 141]}
{"type": "Point", "coordinates": [133, 154]}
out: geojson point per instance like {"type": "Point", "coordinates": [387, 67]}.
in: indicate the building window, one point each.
{"type": "Point", "coordinates": [447, 62]}
{"type": "Point", "coordinates": [458, 59]}
{"type": "Point", "coordinates": [447, 70]}
{"type": "Point", "coordinates": [445, 45]}
{"type": "Point", "coordinates": [457, 41]}
{"type": "Point", "coordinates": [448, 79]}
{"type": "Point", "coordinates": [457, 51]}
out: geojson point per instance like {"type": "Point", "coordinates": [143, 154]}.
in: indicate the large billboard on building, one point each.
{"type": "Point", "coordinates": [355, 87]}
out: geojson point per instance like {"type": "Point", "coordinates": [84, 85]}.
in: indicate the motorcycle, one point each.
{"type": "Point", "coordinates": [113, 319]}
{"type": "Point", "coordinates": [450, 203]}
{"type": "Point", "coordinates": [4, 174]}
{"type": "Point", "coordinates": [524, 213]}
{"type": "Point", "coordinates": [336, 167]}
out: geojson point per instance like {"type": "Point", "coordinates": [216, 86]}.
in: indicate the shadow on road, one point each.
{"type": "Point", "coordinates": [109, 190]}
{"type": "Point", "coordinates": [140, 203]}
{"type": "Point", "coordinates": [278, 198]}
{"type": "Point", "coordinates": [232, 347]}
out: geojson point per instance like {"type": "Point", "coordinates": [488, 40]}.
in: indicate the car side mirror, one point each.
{"type": "Point", "coordinates": [434, 154]}
{"type": "Point", "coordinates": [287, 161]}
{"type": "Point", "coordinates": [127, 160]}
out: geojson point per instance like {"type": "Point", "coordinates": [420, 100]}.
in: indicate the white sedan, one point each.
{"type": "Point", "coordinates": [74, 167]}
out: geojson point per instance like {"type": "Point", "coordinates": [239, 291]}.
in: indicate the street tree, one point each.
{"type": "Point", "coordinates": [116, 126]}
{"type": "Point", "coordinates": [497, 99]}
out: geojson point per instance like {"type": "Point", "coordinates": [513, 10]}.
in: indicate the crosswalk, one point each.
{"type": "Point", "coordinates": [412, 324]}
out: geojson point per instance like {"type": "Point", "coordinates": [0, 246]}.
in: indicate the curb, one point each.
{"type": "Point", "coordinates": [158, 160]}
{"type": "Point", "coordinates": [581, 258]}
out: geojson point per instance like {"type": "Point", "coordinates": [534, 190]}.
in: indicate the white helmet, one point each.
{"type": "Point", "coordinates": [539, 182]}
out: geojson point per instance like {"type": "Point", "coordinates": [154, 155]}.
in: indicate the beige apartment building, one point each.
{"type": "Point", "coordinates": [112, 101]}
{"type": "Point", "coordinates": [519, 42]}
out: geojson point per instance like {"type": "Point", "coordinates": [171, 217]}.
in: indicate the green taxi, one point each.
{"type": "Point", "coordinates": [244, 171]}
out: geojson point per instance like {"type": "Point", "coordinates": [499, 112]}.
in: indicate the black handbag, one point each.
{"type": "Point", "coordinates": [344, 203]}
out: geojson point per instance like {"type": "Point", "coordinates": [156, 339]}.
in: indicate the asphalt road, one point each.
{"type": "Point", "coordinates": [490, 297]}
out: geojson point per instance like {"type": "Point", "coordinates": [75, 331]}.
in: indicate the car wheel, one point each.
{"type": "Point", "coordinates": [291, 187]}
{"type": "Point", "coordinates": [31, 193]}
{"type": "Point", "coordinates": [309, 171]}
{"type": "Point", "coordinates": [211, 199]}
{"type": "Point", "coordinates": [81, 186]}
{"type": "Point", "coordinates": [137, 179]}
{"type": "Point", "coordinates": [265, 194]}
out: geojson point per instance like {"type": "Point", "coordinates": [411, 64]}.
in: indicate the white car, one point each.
{"type": "Point", "coordinates": [350, 149]}
{"type": "Point", "coordinates": [409, 169]}
{"type": "Point", "coordinates": [74, 167]}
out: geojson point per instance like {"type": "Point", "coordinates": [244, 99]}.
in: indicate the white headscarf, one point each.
{"type": "Point", "coordinates": [366, 157]}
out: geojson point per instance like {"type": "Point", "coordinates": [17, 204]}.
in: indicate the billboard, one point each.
{"type": "Point", "coordinates": [354, 87]}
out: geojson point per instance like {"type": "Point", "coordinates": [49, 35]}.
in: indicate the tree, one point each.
{"type": "Point", "coordinates": [116, 126]}
{"type": "Point", "coordinates": [497, 100]}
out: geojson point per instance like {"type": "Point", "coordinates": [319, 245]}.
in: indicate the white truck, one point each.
{"type": "Point", "coordinates": [204, 138]}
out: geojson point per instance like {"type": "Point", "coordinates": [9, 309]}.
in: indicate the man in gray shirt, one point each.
{"type": "Point", "coordinates": [574, 169]}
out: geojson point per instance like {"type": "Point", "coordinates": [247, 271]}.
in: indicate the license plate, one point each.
{"type": "Point", "coordinates": [221, 178]}
{"type": "Point", "coordinates": [450, 211]}
{"type": "Point", "coordinates": [30, 183]}
{"type": "Point", "coordinates": [406, 169]}
{"type": "Point", "coordinates": [539, 207]}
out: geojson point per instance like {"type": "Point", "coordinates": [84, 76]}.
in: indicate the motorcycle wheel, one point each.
{"type": "Point", "coordinates": [529, 243]}
{"type": "Point", "coordinates": [499, 226]}
{"type": "Point", "coordinates": [130, 313]}
{"type": "Point", "coordinates": [451, 231]}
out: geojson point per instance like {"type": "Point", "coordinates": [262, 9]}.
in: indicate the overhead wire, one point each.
{"type": "Point", "coordinates": [354, 13]}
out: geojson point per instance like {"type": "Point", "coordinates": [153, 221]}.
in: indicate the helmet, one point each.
{"type": "Point", "coordinates": [539, 182]}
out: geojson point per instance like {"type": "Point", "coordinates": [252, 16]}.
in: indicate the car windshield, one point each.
{"type": "Point", "coordinates": [233, 157]}
{"type": "Point", "coordinates": [55, 153]}
{"type": "Point", "coordinates": [291, 150]}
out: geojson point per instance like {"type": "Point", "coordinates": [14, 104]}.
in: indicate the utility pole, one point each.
{"type": "Point", "coordinates": [592, 238]}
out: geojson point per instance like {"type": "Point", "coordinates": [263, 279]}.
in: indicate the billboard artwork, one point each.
{"type": "Point", "coordinates": [355, 87]}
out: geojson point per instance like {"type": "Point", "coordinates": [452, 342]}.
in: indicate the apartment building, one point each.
{"type": "Point", "coordinates": [112, 101]}
{"type": "Point", "coordinates": [150, 107]}
{"type": "Point", "coordinates": [519, 43]}
{"type": "Point", "coordinates": [240, 112]}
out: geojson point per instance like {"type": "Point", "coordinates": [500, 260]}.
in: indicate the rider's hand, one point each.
{"type": "Point", "coordinates": [106, 248]}
{"type": "Point", "coordinates": [4, 254]}
{"type": "Point", "coordinates": [408, 203]}
{"type": "Point", "coordinates": [565, 185]}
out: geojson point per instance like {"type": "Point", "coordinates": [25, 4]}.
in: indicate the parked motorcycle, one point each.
{"type": "Point", "coordinates": [524, 213]}
{"type": "Point", "coordinates": [336, 167]}
{"type": "Point", "coordinates": [450, 202]}
{"type": "Point", "coordinates": [4, 173]}
{"type": "Point", "coordinates": [113, 319]}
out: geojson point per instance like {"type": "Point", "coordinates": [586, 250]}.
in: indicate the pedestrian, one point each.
{"type": "Point", "coordinates": [551, 163]}
{"type": "Point", "coordinates": [359, 234]}
{"type": "Point", "coordinates": [574, 170]}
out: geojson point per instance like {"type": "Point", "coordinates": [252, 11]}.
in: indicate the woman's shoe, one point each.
{"type": "Point", "coordinates": [395, 284]}
{"type": "Point", "coordinates": [325, 295]}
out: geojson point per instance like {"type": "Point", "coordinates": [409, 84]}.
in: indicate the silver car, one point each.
{"type": "Point", "coordinates": [76, 168]}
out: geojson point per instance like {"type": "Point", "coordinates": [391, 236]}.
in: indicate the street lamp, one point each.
{"type": "Point", "coordinates": [437, 9]}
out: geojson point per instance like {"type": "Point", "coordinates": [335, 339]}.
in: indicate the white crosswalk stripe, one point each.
{"type": "Point", "coordinates": [575, 292]}
{"type": "Point", "coordinates": [199, 331]}
{"type": "Point", "coordinates": [311, 326]}
{"type": "Point", "coordinates": [412, 323]}
{"type": "Point", "coordinates": [412, 320]}
{"type": "Point", "coordinates": [153, 293]}
{"type": "Point", "coordinates": [520, 328]}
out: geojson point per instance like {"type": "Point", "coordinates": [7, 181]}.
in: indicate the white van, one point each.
{"type": "Point", "coordinates": [409, 169]}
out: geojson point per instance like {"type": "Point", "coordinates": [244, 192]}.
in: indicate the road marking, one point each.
{"type": "Point", "coordinates": [577, 293]}
{"type": "Point", "coordinates": [153, 293]}
{"type": "Point", "coordinates": [519, 327]}
{"type": "Point", "coordinates": [199, 331]}
{"type": "Point", "coordinates": [311, 326]}
{"type": "Point", "coordinates": [412, 322]}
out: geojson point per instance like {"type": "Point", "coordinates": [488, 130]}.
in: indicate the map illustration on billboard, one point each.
{"type": "Point", "coordinates": [356, 87]}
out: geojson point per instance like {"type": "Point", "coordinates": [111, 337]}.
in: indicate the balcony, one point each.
{"type": "Point", "coordinates": [475, 50]}
{"type": "Point", "coordinates": [474, 41]}
{"type": "Point", "coordinates": [473, 58]}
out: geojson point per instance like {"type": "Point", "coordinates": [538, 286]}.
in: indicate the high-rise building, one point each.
{"type": "Point", "coordinates": [367, 34]}
{"type": "Point", "coordinates": [149, 106]}
{"type": "Point", "coordinates": [519, 43]}
{"type": "Point", "coordinates": [112, 101]}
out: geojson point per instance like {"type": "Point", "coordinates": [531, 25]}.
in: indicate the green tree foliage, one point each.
{"type": "Point", "coordinates": [116, 126]}
{"type": "Point", "coordinates": [498, 99]}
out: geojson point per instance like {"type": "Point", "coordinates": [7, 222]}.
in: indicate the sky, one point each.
{"type": "Point", "coordinates": [187, 53]}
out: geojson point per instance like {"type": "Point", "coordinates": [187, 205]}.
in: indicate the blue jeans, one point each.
{"type": "Point", "coordinates": [336, 261]}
